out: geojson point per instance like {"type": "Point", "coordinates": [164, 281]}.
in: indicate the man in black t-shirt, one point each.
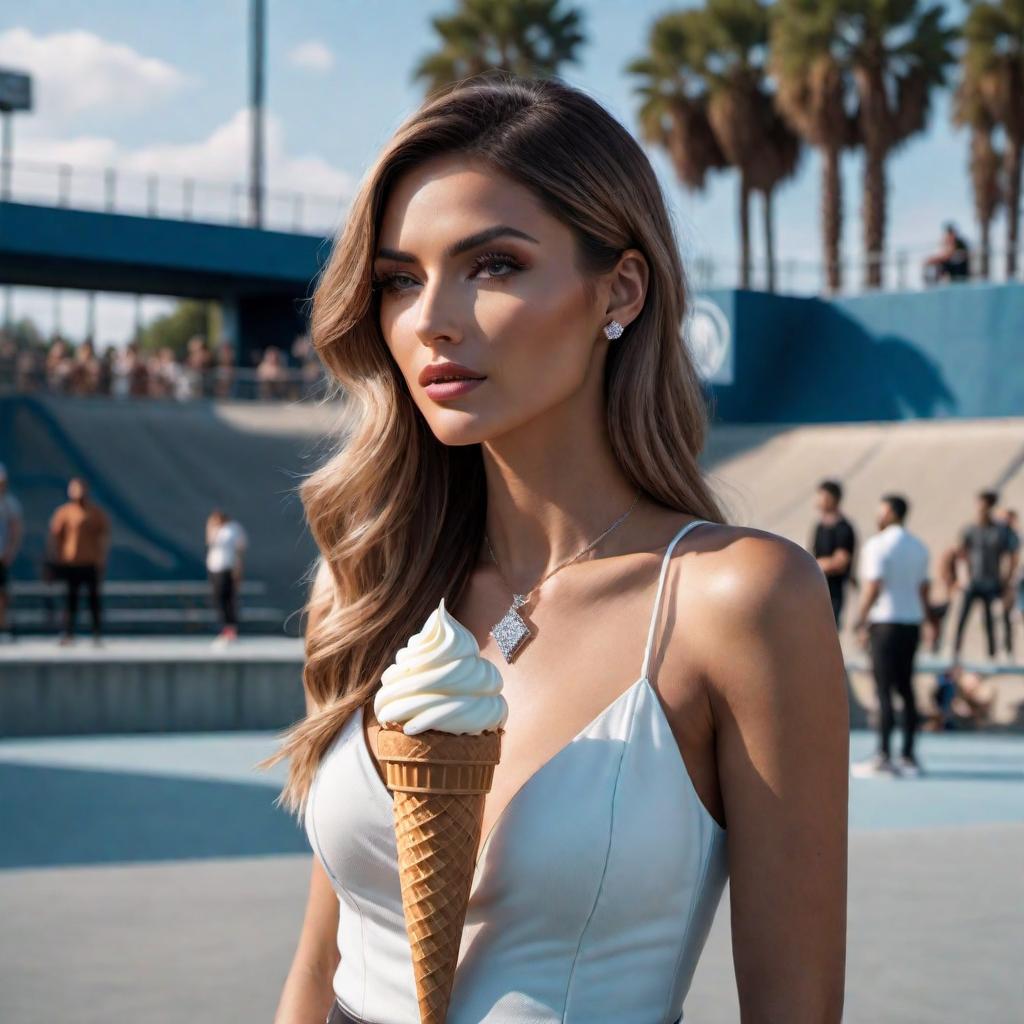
{"type": "Point", "coordinates": [833, 542]}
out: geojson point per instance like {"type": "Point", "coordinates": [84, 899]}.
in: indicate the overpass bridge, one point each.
{"type": "Point", "coordinates": [101, 230]}
{"type": "Point", "coordinates": [261, 278]}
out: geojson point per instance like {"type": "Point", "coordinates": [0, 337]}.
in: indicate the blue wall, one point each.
{"type": "Point", "coordinates": [953, 351]}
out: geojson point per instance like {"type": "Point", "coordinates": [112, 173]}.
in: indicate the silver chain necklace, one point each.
{"type": "Point", "coordinates": [511, 631]}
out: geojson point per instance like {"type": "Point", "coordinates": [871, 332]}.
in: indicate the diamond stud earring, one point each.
{"type": "Point", "coordinates": [613, 330]}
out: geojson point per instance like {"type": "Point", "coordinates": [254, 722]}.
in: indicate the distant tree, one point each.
{"type": "Point", "coordinates": [173, 330]}
{"type": "Point", "coordinates": [779, 159]}
{"type": "Point", "coordinates": [993, 76]}
{"type": "Point", "coordinates": [704, 88]}
{"type": "Point", "coordinates": [881, 58]}
{"type": "Point", "coordinates": [815, 97]}
{"type": "Point", "coordinates": [984, 164]}
{"type": "Point", "coordinates": [532, 38]}
{"type": "Point", "coordinates": [25, 333]}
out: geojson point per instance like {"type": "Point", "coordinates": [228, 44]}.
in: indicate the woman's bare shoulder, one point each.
{"type": "Point", "coordinates": [753, 594]}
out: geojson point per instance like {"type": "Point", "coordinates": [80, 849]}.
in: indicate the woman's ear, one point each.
{"type": "Point", "coordinates": [628, 287]}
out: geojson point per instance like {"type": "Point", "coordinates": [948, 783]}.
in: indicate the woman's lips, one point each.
{"type": "Point", "coordinates": [443, 390]}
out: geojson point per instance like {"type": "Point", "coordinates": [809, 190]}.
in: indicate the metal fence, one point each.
{"type": "Point", "coordinates": [190, 199]}
{"type": "Point", "coordinates": [167, 196]}
{"type": "Point", "coordinates": [903, 268]}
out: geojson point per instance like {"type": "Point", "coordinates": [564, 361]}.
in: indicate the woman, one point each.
{"type": "Point", "coordinates": [514, 228]}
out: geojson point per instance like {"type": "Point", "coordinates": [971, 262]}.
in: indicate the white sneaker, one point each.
{"type": "Point", "coordinates": [909, 767]}
{"type": "Point", "coordinates": [878, 766]}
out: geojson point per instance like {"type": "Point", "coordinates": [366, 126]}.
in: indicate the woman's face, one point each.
{"type": "Point", "coordinates": [509, 306]}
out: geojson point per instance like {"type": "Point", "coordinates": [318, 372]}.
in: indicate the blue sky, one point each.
{"type": "Point", "coordinates": [161, 87]}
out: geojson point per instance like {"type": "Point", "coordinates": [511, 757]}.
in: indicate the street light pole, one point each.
{"type": "Point", "coordinates": [257, 12]}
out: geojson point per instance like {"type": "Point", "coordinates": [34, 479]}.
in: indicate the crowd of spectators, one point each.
{"type": "Point", "coordinates": [204, 371]}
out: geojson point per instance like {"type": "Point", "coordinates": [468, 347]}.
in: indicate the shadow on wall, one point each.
{"type": "Point", "coordinates": [810, 361]}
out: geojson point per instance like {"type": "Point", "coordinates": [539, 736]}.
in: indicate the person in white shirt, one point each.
{"type": "Point", "coordinates": [226, 542]}
{"type": "Point", "coordinates": [894, 605]}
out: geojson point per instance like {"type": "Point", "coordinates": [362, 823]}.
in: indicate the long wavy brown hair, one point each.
{"type": "Point", "coordinates": [398, 516]}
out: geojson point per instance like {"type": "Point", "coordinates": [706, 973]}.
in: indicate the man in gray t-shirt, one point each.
{"type": "Point", "coordinates": [983, 545]}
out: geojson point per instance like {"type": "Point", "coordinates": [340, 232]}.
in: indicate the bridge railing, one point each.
{"type": "Point", "coordinates": [174, 197]}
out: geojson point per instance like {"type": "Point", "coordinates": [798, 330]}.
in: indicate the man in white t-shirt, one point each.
{"type": "Point", "coordinates": [226, 542]}
{"type": "Point", "coordinates": [893, 606]}
{"type": "Point", "coordinates": [11, 530]}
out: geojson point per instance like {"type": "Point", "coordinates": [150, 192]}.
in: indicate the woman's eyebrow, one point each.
{"type": "Point", "coordinates": [456, 249]}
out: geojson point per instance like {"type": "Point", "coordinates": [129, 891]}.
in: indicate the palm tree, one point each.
{"type": "Point", "coordinates": [815, 98]}
{"type": "Point", "coordinates": [889, 55]}
{"type": "Point", "coordinates": [779, 159]}
{"type": "Point", "coordinates": [898, 54]}
{"type": "Point", "coordinates": [993, 67]}
{"type": "Point", "coordinates": [673, 96]}
{"type": "Point", "coordinates": [713, 61]}
{"type": "Point", "coordinates": [971, 111]}
{"type": "Point", "coordinates": [532, 38]}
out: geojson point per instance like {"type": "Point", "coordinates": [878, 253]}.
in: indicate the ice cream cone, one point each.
{"type": "Point", "coordinates": [439, 781]}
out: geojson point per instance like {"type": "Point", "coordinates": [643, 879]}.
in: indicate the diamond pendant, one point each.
{"type": "Point", "coordinates": [512, 631]}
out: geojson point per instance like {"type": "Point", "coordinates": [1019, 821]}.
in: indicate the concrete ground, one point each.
{"type": "Point", "coordinates": [151, 878]}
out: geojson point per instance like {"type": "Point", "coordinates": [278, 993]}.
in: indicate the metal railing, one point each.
{"type": "Point", "coordinates": [173, 197]}
{"type": "Point", "coordinates": [902, 268]}
{"type": "Point", "coordinates": [109, 190]}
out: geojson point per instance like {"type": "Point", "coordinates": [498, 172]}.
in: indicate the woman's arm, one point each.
{"type": "Point", "coordinates": [775, 676]}
{"type": "Point", "coordinates": [308, 992]}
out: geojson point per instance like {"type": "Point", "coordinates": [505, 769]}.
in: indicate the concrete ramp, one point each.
{"type": "Point", "coordinates": [158, 468]}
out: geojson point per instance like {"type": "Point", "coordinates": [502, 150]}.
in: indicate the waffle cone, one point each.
{"type": "Point", "coordinates": [438, 781]}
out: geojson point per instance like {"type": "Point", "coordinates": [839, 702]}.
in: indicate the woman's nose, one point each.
{"type": "Point", "coordinates": [438, 314]}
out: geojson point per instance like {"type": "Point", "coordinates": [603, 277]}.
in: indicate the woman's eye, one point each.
{"type": "Point", "coordinates": [391, 282]}
{"type": "Point", "coordinates": [497, 265]}
{"type": "Point", "coordinates": [490, 261]}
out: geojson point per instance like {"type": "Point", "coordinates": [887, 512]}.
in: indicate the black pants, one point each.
{"type": "Point", "coordinates": [893, 645]}
{"type": "Point", "coordinates": [1008, 625]}
{"type": "Point", "coordinates": [837, 596]}
{"type": "Point", "coordinates": [224, 596]}
{"type": "Point", "coordinates": [74, 576]}
{"type": "Point", "coordinates": [986, 594]}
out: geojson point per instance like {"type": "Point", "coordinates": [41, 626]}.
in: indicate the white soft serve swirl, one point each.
{"type": "Point", "coordinates": [440, 681]}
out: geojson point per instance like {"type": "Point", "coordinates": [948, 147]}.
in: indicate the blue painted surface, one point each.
{"type": "Point", "coordinates": [952, 351]}
{"type": "Point", "coordinates": [120, 253]}
{"type": "Point", "coordinates": [87, 800]}
{"type": "Point", "coordinates": [969, 779]}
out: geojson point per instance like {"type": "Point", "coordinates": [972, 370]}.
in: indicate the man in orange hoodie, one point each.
{"type": "Point", "coordinates": [80, 534]}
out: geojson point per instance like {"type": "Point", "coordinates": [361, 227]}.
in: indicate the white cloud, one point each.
{"type": "Point", "coordinates": [311, 55]}
{"type": "Point", "coordinates": [78, 71]}
{"type": "Point", "coordinates": [214, 163]}
{"type": "Point", "coordinates": [223, 156]}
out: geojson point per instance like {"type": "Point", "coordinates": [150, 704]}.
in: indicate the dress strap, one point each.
{"type": "Point", "coordinates": [661, 586]}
